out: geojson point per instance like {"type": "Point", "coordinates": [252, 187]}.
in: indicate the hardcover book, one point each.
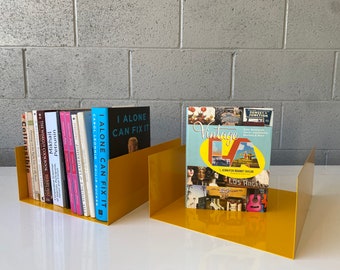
{"type": "Point", "coordinates": [38, 156]}
{"type": "Point", "coordinates": [32, 155]}
{"type": "Point", "coordinates": [56, 159]}
{"type": "Point", "coordinates": [80, 163]}
{"type": "Point", "coordinates": [70, 162]}
{"type": "Point", "coordinates": [48, 194]}
{"type": "Point", "coordinates": [86, 148]}
{"type": "Point", "coordinates": [228, 158]}
{"type": "Point", "coordinates": [25, 131]}
{"type": "Point", "coordinates": [116, 131]}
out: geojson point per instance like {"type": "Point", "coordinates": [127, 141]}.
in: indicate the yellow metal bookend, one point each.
{"type": "Point", "coordinates": [277, 231]}
{"type": "Point", "coordinates": [128, 186]}
{"type": "Point", "coordinates": [129, 180]}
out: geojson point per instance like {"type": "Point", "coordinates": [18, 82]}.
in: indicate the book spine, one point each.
{"type": "Point", "coordinates": [27, 159]}
{"type": "Point", "coordinates": [101, 157]}
{"type": "Point", "coordinates": [66, 198]}
{"type": "Point", "coordinates": [85, 136]}
{"type": "Point", "coordinates": [78, 153]}
{"type": "Point", "coordinates": [73, 166]}
{"type": "Point", "coordinates": [33, 156]}
{"type": "Point", "coordinates": [44, 158]}
{"type": "Point", "coordinates": [38, 155]}
{"type": "Point", "coordinates": [54, 158]}
{"type": "Point", "coordinates": [64, 126]}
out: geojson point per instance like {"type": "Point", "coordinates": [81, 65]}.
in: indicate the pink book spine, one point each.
{"type": "Point", "coordinates": [66, 144]}
{"type": "Point", "coordinates": [74, 167]}
{"type": "Point", "coordinates": [74, 174]}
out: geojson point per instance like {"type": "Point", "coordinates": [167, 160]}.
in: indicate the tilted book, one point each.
{"type": "Point", "coordinates": [228, 158]}
{"type": "Point", "coordinates": [116, 131]}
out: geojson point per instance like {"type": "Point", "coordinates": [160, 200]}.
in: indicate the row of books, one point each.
{"type": "Point", "coordinates": [67, 153]}
{"type": "Point", "coordinates": [228, 157]}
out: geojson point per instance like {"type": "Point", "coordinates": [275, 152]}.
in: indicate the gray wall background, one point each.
{"type": "Point", "coordinates": [168, 54]}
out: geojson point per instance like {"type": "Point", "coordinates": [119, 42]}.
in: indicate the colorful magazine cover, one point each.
{"type": "Point", "coordinates": [227, 158]}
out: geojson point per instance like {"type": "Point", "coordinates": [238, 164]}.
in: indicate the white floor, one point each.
{"type": "Point", "coordinates": [35, 238]}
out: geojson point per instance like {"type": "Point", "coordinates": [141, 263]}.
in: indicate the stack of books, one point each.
{"type": "Point", "coordinates": [67, 153]}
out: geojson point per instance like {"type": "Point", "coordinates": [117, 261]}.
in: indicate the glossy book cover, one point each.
{"type": "Point", "coordinates": [227, 160]}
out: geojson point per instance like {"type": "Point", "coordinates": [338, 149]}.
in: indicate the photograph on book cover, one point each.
{"type": "Point", "coordinates": [228, 158]}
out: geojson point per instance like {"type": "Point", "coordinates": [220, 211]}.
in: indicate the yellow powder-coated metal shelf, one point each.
{"type": "Point", "coordinates": [276, 231]}
{"type": "Point", "coordinates": [127, 185]}
{"type": "Point", "coordinates": [158, 172]}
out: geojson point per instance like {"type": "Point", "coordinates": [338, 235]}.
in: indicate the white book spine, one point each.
{"type": "Point", "coordinates": [54, 158]}
{"type": "Point", "coordinates": [80, 166]}
{"type": "Point", "coordinates": [38, 155]}
{"type": "Point", "coordinates": [85, 135]}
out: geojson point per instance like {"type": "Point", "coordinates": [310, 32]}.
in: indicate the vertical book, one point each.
{"type": "Point", "coordinates": [116, 131]}
{"type": "Point", "coordinates": [228, 158]}
{"type": "Point", "coordinates": [56, 159]}
{"type": "Point", "coordinates": [70, 162]}
{"type": "Point", "coordinates": [32, 155]}
{"type": "Point", "coordinates": [46, 177]}
{"type": "Point", "coordinates": [24, 125]}
{"type": "Point", "coordinates": [38, 156]}
{"type": "Point", "coordinates": [80, 163]}
{"type": "Point", "coordinates": [86, 148]}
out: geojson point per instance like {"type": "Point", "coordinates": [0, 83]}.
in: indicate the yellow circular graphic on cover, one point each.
{"type": "Point", "coordinates": [236, 158]}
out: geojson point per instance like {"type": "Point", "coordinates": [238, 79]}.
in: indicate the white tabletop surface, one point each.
{"type": "Point", "coordinates": [36, 238]}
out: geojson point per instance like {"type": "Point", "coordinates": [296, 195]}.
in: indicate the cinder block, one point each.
{"type": "Point", "coordinates": [283, 75]}
{"type": "Point", "coordinates": [313, 24]}
{"type": "Point", "coordinates": [36, 23]}
{"type": "Point", "coordinates": [165, 120]}
{"type": "Point", "coordinates": [233, 24]}
{"type": "Point", "coordinates": [148, 23]}
{"type": "Point", "coordinates": [311, 124]}
{"type": "Point", "coordinates": [332, 157]}
{"type": "Point", "coordinates": [7, 157]}
{"type": "Point", "coordinates": [177, 75]}
{"type": "Point", "coordinates": [77, 73]}
{"type": "Point", "coordinates": [11, 109]}
{"type": "Point", "coordinates": [295, 157]}
{"type": "Point", "coordinates": [11, 73]}
{"type": "Point", "coordinates": [104, 102]}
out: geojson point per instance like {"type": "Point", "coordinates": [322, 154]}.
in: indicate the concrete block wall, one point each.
{"type": "Point", "coordinates": [172, 53]}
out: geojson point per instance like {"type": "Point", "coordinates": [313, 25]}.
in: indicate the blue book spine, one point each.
{"type": "Point", "coordinates": [101, 156]}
